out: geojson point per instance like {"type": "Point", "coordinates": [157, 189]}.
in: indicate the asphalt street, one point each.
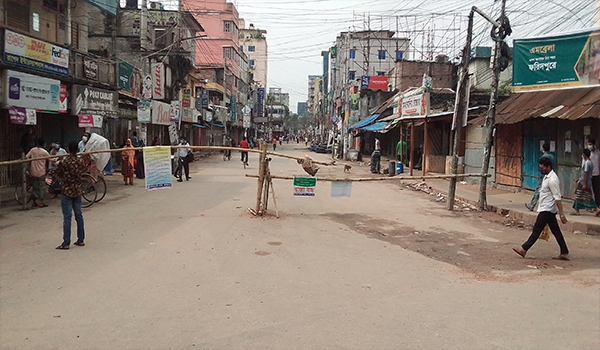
{"type": "Point", "coordinates": [189, 267]}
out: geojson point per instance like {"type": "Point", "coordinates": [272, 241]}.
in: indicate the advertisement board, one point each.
{"type": "Point", "coordinates": [557, 62]}
{"type": "Point", "coordinates": [90, 100]}
{"type": "Point", "coordinates": [415, 106]}
{"type": "Point", "coordinates": [23, 116]}
{"type": "Point", "coordinates": [143, 111]}
{"type": "Point", "coordinates": [30, 91]}
{"type": "Point", "coordinates": [27, 52]}
{"type": "Point", "coordinates": [130, 79]}
{"type": "Point", "coordinates": [161, 113]}
{"type": "Point", "coordinates": [158, 81]}
{"type": "Point", "coordinates": [374, 83]}
{"type": "Point", "coordinates": [260, 102]}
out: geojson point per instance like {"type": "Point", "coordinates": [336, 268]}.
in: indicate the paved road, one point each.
{"type": "Point", "coordinates": [190, 268]}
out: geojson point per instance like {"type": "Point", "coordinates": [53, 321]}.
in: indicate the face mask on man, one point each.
{"type": "Point", "coordinates": [84, 139]}
{"type": "Point", "coordinates": [590, 147]}
{"type": "Point", "coordinates": [544, 172]}
{"type": "Point", "coordinates": [57, 146]}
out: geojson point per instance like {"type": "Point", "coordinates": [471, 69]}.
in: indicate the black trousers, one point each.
{"type": "Point", "coordinates": [596, 189]}
{"type": "Point", "coordinates": [244, 157]}
{"type": "Point", "coordinates": [183, 163]}
{"type": "Point", "coordinates": [546, 218]}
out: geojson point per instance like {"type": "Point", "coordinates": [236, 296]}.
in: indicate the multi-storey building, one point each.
{"type": "Point", "coordinates": [313, 85]}
{"type": "Point", "coordinates": [280, 97]}
{"type": "Point", "coordinates": [254, 43]}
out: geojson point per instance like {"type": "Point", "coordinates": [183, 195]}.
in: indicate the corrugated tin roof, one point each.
{"type": "Point", "coordinates": [568, 104]}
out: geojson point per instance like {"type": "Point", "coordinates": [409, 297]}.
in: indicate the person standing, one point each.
{"type": "Point", "coordinates": [183, 162]}
{"type": "Point", "coordinates": [56, 151]}
{"type": "Point", "coordinates": [550, 204]}
{"type": "Point", "coordinates": [37, 171]}
{"type": "Point", "coordinates": [244, 145]}
{"type": "Point", "coordinates": [128, 155]}
{"type": "Point", "coordinates": [536, 194]}
{"type": "Point", "coordinates": [70, 170]}
{"type": "Point", "coordinates": [84, 139]}
{"type": "Point", "coordinates": [595, 158]}
{"type": "Point", "coordinates": [401, 150]}
{"type": "Point", "coordinates": [274, 141]}
{"type": "Point", "coordinates": [583, 193]}
{"type": "Point", "coordinates": [155, 142]}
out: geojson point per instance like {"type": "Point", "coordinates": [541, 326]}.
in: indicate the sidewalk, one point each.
{"type": "Point", "coordinates": [512, 204]}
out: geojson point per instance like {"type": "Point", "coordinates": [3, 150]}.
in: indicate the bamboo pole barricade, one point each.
{"type": "Point", "coordinates": [387, 178]}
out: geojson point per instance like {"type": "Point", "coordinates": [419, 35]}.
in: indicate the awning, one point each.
{"type": "Point", "coordinates": [364, 122]}
{"type": "Point", "coordinates": [376, 127]}
{"type": "Point", "coordinates": [199, 126]}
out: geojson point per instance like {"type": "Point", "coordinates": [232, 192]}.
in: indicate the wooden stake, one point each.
{"type": "Point", "coordinates": [261, 175]}
{"type": "Point", "coordinates": [274, 200]}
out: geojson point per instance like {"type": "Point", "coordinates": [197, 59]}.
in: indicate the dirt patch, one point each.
{"type": "Point", "coordinates": [489, 260]}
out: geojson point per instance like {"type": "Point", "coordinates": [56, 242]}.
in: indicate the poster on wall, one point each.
{"type": "Point", "coordinates": [556, 62]}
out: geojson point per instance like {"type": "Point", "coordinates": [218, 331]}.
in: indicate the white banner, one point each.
{"type": "Point", "coordinates": [415, 106]}
{"type": "Point", "coordinates": [158, 81]}
{"type": "Point", "coordinates": [30, 91]}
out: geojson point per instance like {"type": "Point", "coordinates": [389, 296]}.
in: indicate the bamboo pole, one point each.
{"type": "Point", "coordinates": [261, 175]}
{"type": "Point", "coordinates": [367, 179]}
{"type": "Point", "coordinates": [274, 200]}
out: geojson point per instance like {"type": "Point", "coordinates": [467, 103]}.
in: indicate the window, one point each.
{"type": "Point", "coordinates": [381, 74]}
{"type": "Point", "coordinates": [251, 48]}
{"type": "Point", "coordinates": [399, 55]}
{"type": "Point", "coordinates": [351, 75]}
{"type": "Point", "coordinates": [352, 54]}
{"type": "Point", "coordinates": [228, 52]}
{"type": "Point", "coordinates": [381, 54]}
{"type": "Point", "coordinates": [252, 63]}
{"type": "Point", "coordinates": [35, 21]}
{"type": "Point", "coordinates": [228, 26]}
{"type": "Point", "coordinates": [242, 48]}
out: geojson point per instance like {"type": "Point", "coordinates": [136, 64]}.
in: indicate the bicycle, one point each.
{"type": "Point", "coordinates": [98, 184]}
{"type": "Point", "coordinates": [89, 195]}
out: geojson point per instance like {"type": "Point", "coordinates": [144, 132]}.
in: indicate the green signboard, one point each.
{"type": "Point", "coordinates": [304, 186]}
{"type": "Point", "coordinates": [556, 62]}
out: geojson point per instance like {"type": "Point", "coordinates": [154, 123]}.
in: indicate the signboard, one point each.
{"type": "Point", "coordinates": [23, 116]}
{"type": "Point", "coordinates": [155, 18]}
{"type": "Point", "coordinates": [304, 186]}
{"type": "Point", "coordinates": [143, 111]}
{"type": "Point", "coordinates": [89, 121]}
{"type": "Point", "coordinates": [130, 79]}
{"type": "Point", "coordinates": [186, 98]}
{"type": "Point", "coordinates": [556, 62]}
{"type": "Point", "coordinates": [233, 108]}
{"type": "Point", "coordinates": [374, 83]}
{"type": "Point", "coordinates": [161, 113]}
{"type": "Point", "coordinates": [175, 111]}
{"type": "Point", "coordinates": [147, 87]}
{"type": "Point", "coordinates": [157, 165]}
{"type": "Point", "coordinates": [341, 189]}
{"type": "Point", "coordinates": [90, 68]}
{"type": "Point", "coordinates": [158, 81]}
{"type": "Point", "coordinates": [30, 91]}
{"type": "Point", "coordinates": [415, 106]}
{"type": "Point", "coordinates": [246, 113]}
{"type": "Point", "coordinates": [204, 97]}
{"type": "Point", "coordinates": [260, 102]}
{"type": "Point", "coordinates": [27, 52]}
{"type": "Point", "coordinates": [89, 100]}
{"type": "Point", "coordinates": [63, 100]}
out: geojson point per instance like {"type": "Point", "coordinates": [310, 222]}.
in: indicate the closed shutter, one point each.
{"type": "Point", "coordinates": [17, 14]}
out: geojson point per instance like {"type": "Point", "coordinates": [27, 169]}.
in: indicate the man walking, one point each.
{"type": "Point", "coordinates": [37, 170]}
{"type": "Point", "coordinates": [550, 204]}
{"type": "Point", "coordinates": [244, 145]}
{"type": "Point", "coordinates": [536, 194]}
{"type": "Point", "coordinates": [70, 170]}
{"type": "Point", "coordinates": [183, 161]}
{"type": "Point", "coordinates": [595, 158]}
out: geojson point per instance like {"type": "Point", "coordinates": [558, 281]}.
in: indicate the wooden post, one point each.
{"type": "Point", "coordinates": [24, 184]}
{"type": "Point", "coordinates": [412, 147]}
{"type": "Point", "coordinates": [424, 156]}
{"type": "Point", "coordinates": [459, 110]}
{"type": "Point", "coordinates": [261, 175]}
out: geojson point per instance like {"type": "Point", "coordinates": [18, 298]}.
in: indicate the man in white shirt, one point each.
{"type": "Point", "coordinates": [183, 161]}
{"type": "Point", "coordinates": [595, 158]}
{"type": "Point", "coordinates": [549, 205]}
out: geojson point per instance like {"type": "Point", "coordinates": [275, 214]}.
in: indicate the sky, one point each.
{"type": "Point", "coordinates": [297, 31]}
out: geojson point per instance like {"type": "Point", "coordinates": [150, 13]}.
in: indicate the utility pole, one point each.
{"type": "Point", "coordinates": [459, 110]}
{"type": "Point", "coordinates": [491, 117]}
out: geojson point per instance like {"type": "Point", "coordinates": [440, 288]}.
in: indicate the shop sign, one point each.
{"type": "Point", "coordinates": [130, 79]}
{"type": "Point", "coordinates": [89, 100]}
{"type": "Point", "coordinates": [305, 186]}
{"type": "Point", "coordinates": [415, 106]}
{"type": "Point", "coordinates": [89, 121]}
{"type": "Point", "coordinates": [30, 91]}
{"type": "Point", "coordinates": [161, 113]}
{"type": "Point", "coordinates": [233, 108]}
{"type": "Point", "coordinates": [147, 87]}
{"type": "Point", "coordinates": [190, 115]}
{"type": "Point", "coordinates": [374, 83]}
{"type": "Point", "coordinates": [204, 99]}
{"type": "Point", "coordinates": [260, 104]}
{"type": "Point", "coordinates": [556, 62]}
{"type": "Point", "coordinates": [186, 99]}
{"type": "Point", "coordinates": [90, 68]}
{"type": "Point", "coordinates": [27, 52]}
{"type": "Point", "coordinates": [63, 100]}
{"type": "Point", "coordinates": [23, 116]}
{"type": "Point", "coordinates": [143, 111]}
{"type": "Point", "coordinates": [175, 112]}
{"type": "Point", "coordinates": [158, 81]}
{"type": "Point", "coordinates": [246, 113]}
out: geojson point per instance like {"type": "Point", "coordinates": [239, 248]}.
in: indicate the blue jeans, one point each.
{"type": "Point", "coordinates": [70, 205]}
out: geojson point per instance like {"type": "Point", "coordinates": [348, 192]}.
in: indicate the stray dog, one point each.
{"type": "Point", "coordinates": [347, 168]}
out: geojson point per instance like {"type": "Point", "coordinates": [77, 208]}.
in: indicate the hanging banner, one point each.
{"type": "Point", "coordinates": [157, 164]}
{"type": "Point", "coordinates": [144, 111]}
{"type": "Point", "coordinates": [27, 52]}
{"type": "Point", "coordinates": [305, 186]}
{"type": "Point", "coordinates": [161, 113]}
{"type": "Point", "coordinates": [158, 81]}
{"type": "Point", "coordinates": [23, 116]}
{"type": "Point", "coordinates": [89, 121]}
{"type": "Point", "coordinates": [147, 87]}
{"type": "Point", "coordinates": [556, 62]}
{"type": "Point", "coordinates": [31, 91]}
{"type": "Point", "coordinates": [374, 83]}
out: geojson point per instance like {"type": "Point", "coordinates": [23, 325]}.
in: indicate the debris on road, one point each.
{"type": "Point", "coordinates": [440, 197]}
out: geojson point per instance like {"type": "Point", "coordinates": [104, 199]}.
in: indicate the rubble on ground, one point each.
{"type": "Point", "coordinates": [441, 197]}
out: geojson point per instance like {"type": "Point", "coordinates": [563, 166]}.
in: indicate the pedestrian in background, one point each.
{"type": "Point", "coordinates": [37, 171]}
{"type": "Point", "coordinates": [536, 194]}
{"type": "Point", "coordinates": [583, 193]}
{"type": "Point", "coordinates": [128, 156]}
{"type": "Point", "coordinates": [550, 204]}
{"type": "Point", "coordinates": [274, 144]}
{"type": "Point", "coordinates": [244, 145]}
{"type": "Point", "coordinates": [183, 161]}
{"type": "Point", "coordinates": [56, 150]}
{"type": "Point", "coordinates": [595, 158]}
{"type": "Point", "coordinates": [70, 170]}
